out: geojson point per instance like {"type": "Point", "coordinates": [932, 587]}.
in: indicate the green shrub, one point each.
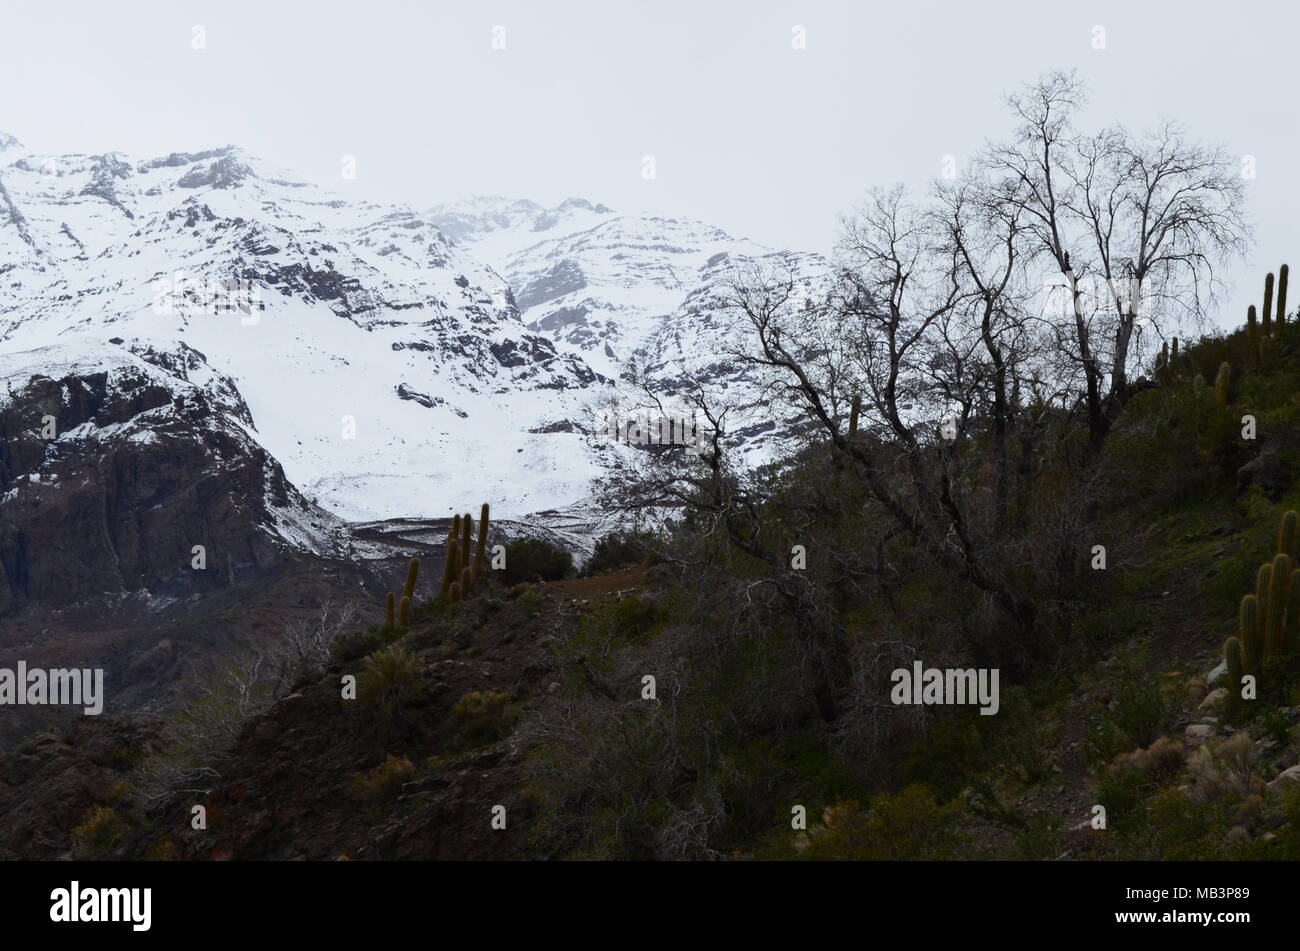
{"type": "Point", "coordinates": [1037, 842]}
{"type": "Point", "coordinates": [481, 715]}
{"type": "Point", "coordinates": [1187, 829]}
{"type": "Point", "coordinates": [1286, 847]}
{"type": "Point", "coordinates": [943, 757]}
{"type": "Point", "coordinates": [1121, 791]}
{"type": "Point", "coordinates": [908, 826]}
{"type": "Point", "coordinates": [101, 829]}
{"type": "Point", "coordinates": [390, 680]}
{"type": "Point", "coordinates": [384, 781]}
{"type": "Point", "coordinates": [528, 559]}
{"type": "Point", "coordinates": [1139, 712]}
{"type": "Point", "coordinates": [617, 550]}
{"type": "Point", "coordinates": [353, 646]}
{"type": "Point", "coordinates": [1276, 676]}
{"type": "Point", "coordinates": [164, 850]}
{"type": "Point", "coordinates": [1025, 736]}
{"type": "Point", "coordinates": [1276, 727]}
{"type": "Point", "coordinates": [1103, 741]}
{"type": "Point", "coordinates": [629, 618]}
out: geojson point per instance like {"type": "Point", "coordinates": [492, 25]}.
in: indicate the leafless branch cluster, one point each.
{"type": "Point", "coordinates": [220, 703]}
{"type": "Point", "coordinates": [936, 337]}
{"type": "Point", "coordinates": [303, 650]}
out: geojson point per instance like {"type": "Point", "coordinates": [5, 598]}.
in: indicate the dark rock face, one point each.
{"type": "Point", "coordinates": [177, 159]}
{"type": "Point", "coordinates": [562, 317]}
{"type": "Point", "coordinates": [193, 212]}
{"type": "Point", "coordinates": [139, 473]}
{"type": "Point", "coordinates": [225, 172]}
{"type": "Point", "coordinates": [565, 277]}
{"type": "Point", "coordinates": [424, 399]}
{"type": "Point", "coordinates": [107, 168]}
{"type": "Point", "coordinates": [533, 352]}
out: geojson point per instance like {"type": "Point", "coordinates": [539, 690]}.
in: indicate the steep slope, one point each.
{"type": "Point", "coordinates": [137, 508]}
{"type": "Point", "coordinates": [116, 460]}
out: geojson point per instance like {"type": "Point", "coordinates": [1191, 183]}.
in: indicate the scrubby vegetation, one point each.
{"type": "Point", "coordinates": [618, 550]}
{"type": "Point", "coordinates": [771, 684]}
{"type": "Point", "coordinates": [531, 559]}
{"type": "Point", "coordinates": [1118, 546]}
{"type": "Point", "coordinates": [384, 781]}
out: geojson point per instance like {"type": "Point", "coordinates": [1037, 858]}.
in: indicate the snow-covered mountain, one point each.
{"type": "Point", "coordinates": [226, 394]}
{"type": "Point", "coordinates": [122, 465]}
{"type": "Point", "coordinates": [618, 290]}
{"type": "Point", "coordinates": [394, 363]}
{"type": "Point", "coordinates": [389, 373]}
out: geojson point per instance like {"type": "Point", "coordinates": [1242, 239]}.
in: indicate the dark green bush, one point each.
{"type": "Point", "coordinates": [908, 826]}
{"type": "Point", "coordinates": [1121, 791]}
{"type": "Point", "coordinates": [384, 781]}
{"type": "Point", "coordinates": [617, 550]}
{"type": "Point", "coordinates": [1139, 712]}
{"type": "Point", "coordinates": [530, 559]}
{"type": "Point", "coordinates": [481, 715]}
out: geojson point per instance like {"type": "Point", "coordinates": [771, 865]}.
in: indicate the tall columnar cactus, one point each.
{"type": "Point", "coordinates": [1281, 295]}
{"type": "Point", "coordinates": [1198, 386]}
{"type": "Point", "coordinates": [1262, 578]}
{"type": "Point", "coordinates": [1173, 351]}
{"type": "Point", "coordinates": [453, 593]}
{"type": "Point", "coordinates": [466, 582]}
{"type": "Point", "coordinates": [1287, 533]}
{"type": "Point", "coordinates": [412, 572]}
{"type": "Point", "coordinates": [388, 611]}
{"type": "Point", "coordinates": [466, 546]}
{"type": "Point", "coordinates": [1270, 618]}
{"type": "Point", "coordinates": [449, 566]}
{"type": "Point", "coordinates": [480, 552]}
{"type": "Point", "coordinates": [1252, 324]}
{"type": "Point", "coordinates": [1279, 593]}
{"type": "Point", "coordinates": [1221, 384]}
{"type": "Point", "coordinates": [855, 411]}
{"type": "Point", "coordinates": [404, 612]}
{"type": "Point", "coordinates": [1232, 654]}
{"type": "Point", "coordinates": [1162, 360]}
{"type": "Point", "coordinates": [1268, 301]}
{"type": "Point", "coordinates": [1250, 632]}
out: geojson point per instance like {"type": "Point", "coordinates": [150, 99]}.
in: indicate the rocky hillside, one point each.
{"type": "Point", "coordinates": [118, 461]}
{"type": "Point", "coordinates": [683, 701]}
{"type": "Point", "coordinates": [200, 352]}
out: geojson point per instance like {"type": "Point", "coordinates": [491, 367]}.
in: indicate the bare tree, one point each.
{"type": "Point", "coordinates": [1134, 224]}
{"type": "Point", "coordinates": [303, 650]}
{"type": "Point", "coordinates": [899, 351]}
{"type": "Point", "coordinates": [989, 334]}
{"type": "Point", "coordinates": [206, 730]}
{"type": "Point", "coordinates": [220, 702]}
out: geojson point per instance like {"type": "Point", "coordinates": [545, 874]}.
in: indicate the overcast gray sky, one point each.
{"type": "Point", "coordinates": [764, 140]}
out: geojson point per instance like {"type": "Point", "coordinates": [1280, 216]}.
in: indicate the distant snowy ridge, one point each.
{"type": "Point", "coordinates": [388, 373]}
{"type": "Point", "coordinates": [395, 363]}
